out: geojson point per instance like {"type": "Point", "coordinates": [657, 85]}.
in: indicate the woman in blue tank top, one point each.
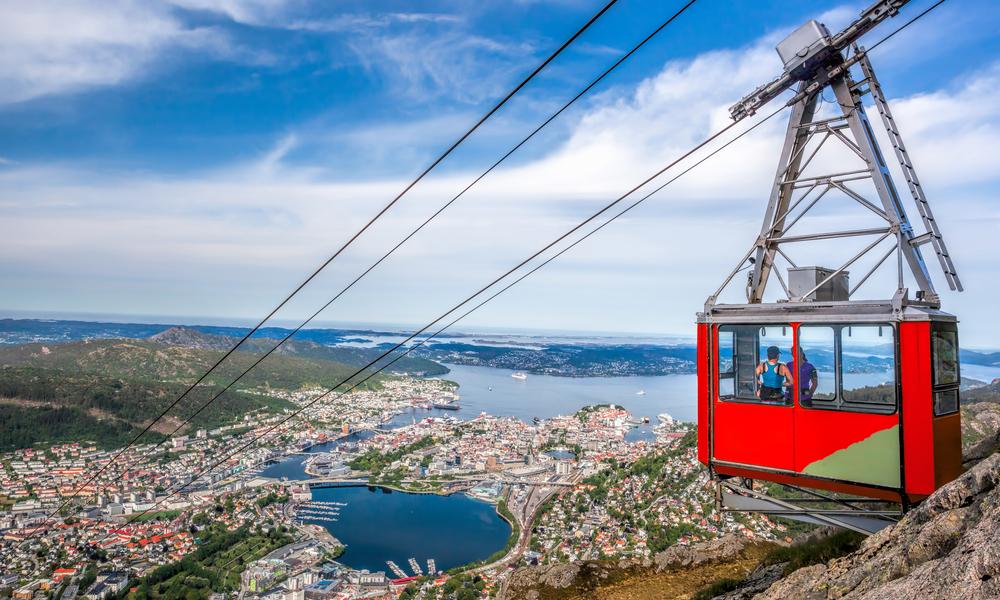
{"type": "Point", "coordinates": [773, 376]}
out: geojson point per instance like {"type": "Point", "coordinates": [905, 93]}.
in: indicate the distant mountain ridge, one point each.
{"type": "Point", "coordinates": [189, 337]}
{"type": "Point", "coordinates": [106, 390]}
{"type": "Point", "coordinates": [564, 355]}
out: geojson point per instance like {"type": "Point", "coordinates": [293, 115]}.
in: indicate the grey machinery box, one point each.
{"type": "Point", "coordinates": [803, 279]}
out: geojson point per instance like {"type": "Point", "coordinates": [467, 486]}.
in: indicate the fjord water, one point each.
{"type": "Point", "coordinates": [546, 396]}
{"type": "Point", "coordinates": [379, 525]}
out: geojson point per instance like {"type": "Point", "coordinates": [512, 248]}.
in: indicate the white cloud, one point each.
{"type": "Point", "coordinates": [450, 63]}
{"type": "Point", "coordinates": [248, 12]}
{"type": "Point", "coordinates": [232, 237]}
{"type": "Point", "coordinates": [60, 46]}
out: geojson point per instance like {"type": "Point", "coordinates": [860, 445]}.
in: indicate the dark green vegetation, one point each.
{"type": "Point", "coordinates": [458, 587]}
{"type": "Point", "coordinates": [47, 405]}
{"type": "Point", "coordinates": [272, 498]}
{"type": "Point", "coordinates": [214, 567]}
{"type": "Point", "coordinates": [165, 515]}
{"type": "Point", "coordinates": [24, 427]}
{"type": "Point", "coordinates": [718, 588]}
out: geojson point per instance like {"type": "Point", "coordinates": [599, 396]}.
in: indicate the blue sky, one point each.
{"type": "Point", "coordinates": [199, 157]}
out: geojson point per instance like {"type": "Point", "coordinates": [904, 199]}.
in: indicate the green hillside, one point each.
{"type": "Point", "coordinates": [105, 391]}
{"type": "Point", "coordinates": [150, 361]}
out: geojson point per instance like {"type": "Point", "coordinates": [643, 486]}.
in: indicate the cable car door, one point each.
{"type": "Point", "coordinates": [752, 424]}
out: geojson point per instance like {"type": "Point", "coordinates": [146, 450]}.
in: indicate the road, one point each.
{"type": "Point", "coordinates": [525, 513]}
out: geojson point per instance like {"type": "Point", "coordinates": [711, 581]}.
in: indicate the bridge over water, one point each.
{"type": "Point", "coordinates": [321, 482]}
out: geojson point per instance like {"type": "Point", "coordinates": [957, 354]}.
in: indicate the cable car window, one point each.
{"type": "Point", "coordinates": [945, 402]}
{"type": "Point", "coordinates": [774, 354]}
{"type": "Point", "coordinates": [817, 376]}
{"type": "Point", "coordinates": [855, 367]}
{"type": "Point", "coordinates": [868, 365]}
{"type": "Point", "coordinates": [745, 373]}
{"type": "Point", "coordinates": [744, 362]}
{"type": "Point", "coordinates": [944, 346]}
{"type": "Point", "coordinates": [727, 373]}
{"type": "Point", "coordinates": [946, 368]}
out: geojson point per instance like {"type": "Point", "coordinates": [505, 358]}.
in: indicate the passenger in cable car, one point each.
{"type": "Point", "coordinates": [773, 376]}
{"type": "Point", "coordinates": [807, 375]}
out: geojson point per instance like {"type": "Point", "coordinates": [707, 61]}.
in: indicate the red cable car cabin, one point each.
{"type": "Point", "coordinates": [882, 419]}
{"type": "Point", "coordinates": [873, 406]}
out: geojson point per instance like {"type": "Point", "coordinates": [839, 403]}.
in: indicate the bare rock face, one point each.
{"type": "Point", "coordinates": [188, 337]}
{"type": "Point", "coordinates": [759, 580]}
{"type": "Point", "coordinates": [981, 427]}
{"type": "Point", "coordinates": [558, 576]}
{"type": "Point", "coordinates": [582, 579]}
{"type": "Point", "coordinates": [946, 548]}
{"type": "Point", "coordinates": [724, 548]}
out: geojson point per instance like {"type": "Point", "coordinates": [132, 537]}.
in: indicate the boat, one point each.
{"type": "Point", "coordinates": [665, 419]}
{"type": "Point", "coordinates": [641, 393]}
{"type": "Point", "coordinates": [446, 405]}
{"type": "Point", "coordinates": [519, 376]}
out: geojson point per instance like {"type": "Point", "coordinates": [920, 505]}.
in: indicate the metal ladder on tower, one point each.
{"type": "Point", "coordinates": [933, 234]}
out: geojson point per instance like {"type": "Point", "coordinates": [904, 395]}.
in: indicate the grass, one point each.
{"type": "Point", "coordinates": [795, 557]}
{"type": "Point", "coordinates": [815, 552]}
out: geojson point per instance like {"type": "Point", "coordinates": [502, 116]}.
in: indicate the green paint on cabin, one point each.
{"type": "Point", "coordinates": [874, 459]}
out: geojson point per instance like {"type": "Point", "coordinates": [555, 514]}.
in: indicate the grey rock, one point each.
{"type": "Point", "coordinates": [756, 582]}
{"type": "Point", "coordinates": [724, 548]}
{"type": "Point", "coordinates": [945, 548]}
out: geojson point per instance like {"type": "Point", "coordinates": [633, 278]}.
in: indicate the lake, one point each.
{"type": "Point", "coordinates": [379, 525]}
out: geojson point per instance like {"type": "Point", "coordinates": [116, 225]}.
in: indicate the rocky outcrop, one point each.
{"type": "Point", "coordinates": [945, 548]}
{"type": "Point", "coordinates": [676, 572]}
{"type": "Point", "coordinates": [188, 337]}
{"type": "Point", "coordinates": [724, 548]}
{"type": "Point", "coordinates": [980, 431]}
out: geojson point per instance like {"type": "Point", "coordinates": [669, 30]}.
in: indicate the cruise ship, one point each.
{"type": "Point", "coordinates": [519, 376]}
{"type": "Point", "coordinates": [446, 405]}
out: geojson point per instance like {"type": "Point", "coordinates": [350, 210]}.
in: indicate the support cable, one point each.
{"type": "Point", "coordinates": [326, 263]}
{"type": "Point", "coordinates": [426, 222]}
{"type": "Point", "coordinates": [539, 266]}
{"type": "Point", "coordinates": [455, 308]}
{"type": "Point", "coordinates": [570, 232]}
{"type": "Point", "coordinates": [577, 227]}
